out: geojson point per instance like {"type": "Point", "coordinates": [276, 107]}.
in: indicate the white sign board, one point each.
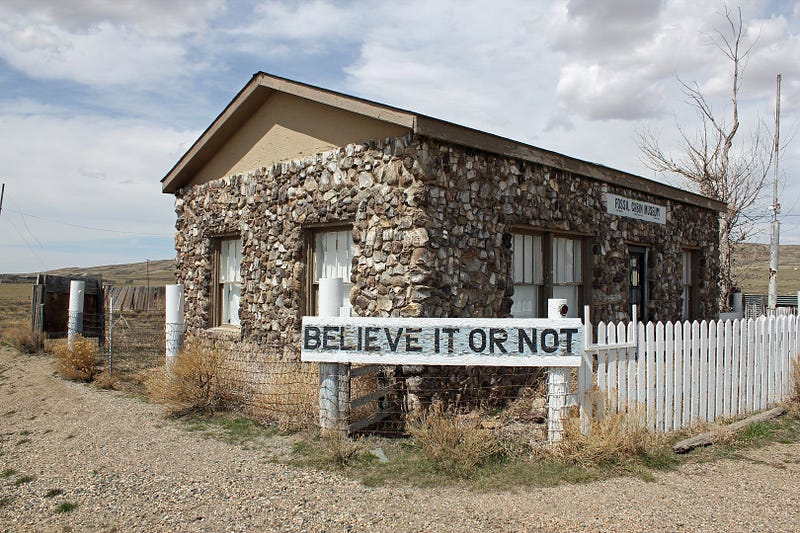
{"type": "Point", "coordinates": [443, 341]}
{"type": "Point", "coordinates": [628, 207]}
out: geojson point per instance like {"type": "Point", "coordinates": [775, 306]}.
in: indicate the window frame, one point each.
{"type": "Point", "coordinates": [311, 285]}
{"type": "Point", "coordinates": [218, 286]}
{"type": "Point", "coordinates": [548, 238]}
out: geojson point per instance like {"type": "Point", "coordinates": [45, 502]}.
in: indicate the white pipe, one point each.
{"type": "Point", "coordinates": [331, 294]}
{"type": "Point", "coordinates": [174, 320]}
{"type": "Point", "coordinates": [330, 297]}
{"type": "Point", "coordinates": [77, 290]}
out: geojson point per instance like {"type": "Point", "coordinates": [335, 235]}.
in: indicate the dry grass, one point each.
{"type": "Point", "coordinates": [289, 397]}
{"type": "Point", "coordinates": [79, 363]}
{"type": "Point", "coordinates": [456, 444]}
{"type": "Point", "coordinates": [794, 400]}
{"type": "Point", "coordinates": [20, 336]}
{"type": "Point", "coordinates": [191, 383]}
{"type": "Point", "coordinates": [613, 438]}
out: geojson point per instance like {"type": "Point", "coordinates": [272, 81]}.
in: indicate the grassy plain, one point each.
{"type": "Point", "coordinates": [751, 268]}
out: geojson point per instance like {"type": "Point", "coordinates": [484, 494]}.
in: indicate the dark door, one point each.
{"type": "Point", "coordinates": [638, 279]}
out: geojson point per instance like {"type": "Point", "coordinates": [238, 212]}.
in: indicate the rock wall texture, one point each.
{"type": "Point", "coordinates": [433, 227]}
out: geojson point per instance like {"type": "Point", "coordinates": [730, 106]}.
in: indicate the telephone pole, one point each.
{"type": "Point", "coordinates": [775, 230]}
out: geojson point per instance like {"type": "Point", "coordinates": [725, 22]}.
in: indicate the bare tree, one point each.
{"type": "Point", "coordinates": [709, 160]}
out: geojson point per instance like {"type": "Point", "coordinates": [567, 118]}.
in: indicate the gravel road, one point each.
{"type": "Point", "coordinates": [127, 468]}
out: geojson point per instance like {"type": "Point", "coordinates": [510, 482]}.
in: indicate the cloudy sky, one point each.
{"type": "Point", "coordinates": [98, 99]}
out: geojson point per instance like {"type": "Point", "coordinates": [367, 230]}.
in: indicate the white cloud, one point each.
{"type": "Point", "coordinates": [137, 44]}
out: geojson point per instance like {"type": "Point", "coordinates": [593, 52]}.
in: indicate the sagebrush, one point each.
{"type": "Point", "coordinates": [455, 443]}
{"type": "Point", "coordinates": [23, 339]}
{"type": "Point", "coordinates": [192, 382]}
{"type": "Point", "coordinates": [77, 362]}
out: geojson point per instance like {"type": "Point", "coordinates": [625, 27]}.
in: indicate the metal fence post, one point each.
{"type": "Point", "coordinates": [110, 334]}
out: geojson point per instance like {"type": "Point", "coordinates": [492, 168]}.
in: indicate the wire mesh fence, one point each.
{"type": "Point", "coordinates": [135, 341]}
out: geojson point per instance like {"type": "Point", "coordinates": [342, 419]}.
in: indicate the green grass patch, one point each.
{"type": "Point", "coordinates": [522, 467]}
{"type": "Point", "coordinates": [228, 428]}
{"type": "Point", "coordinates": [23, 480]}
{"type": "Point", "coordinates": [7, 473]}
{"type": "Point", "coordinates": [66, 507]}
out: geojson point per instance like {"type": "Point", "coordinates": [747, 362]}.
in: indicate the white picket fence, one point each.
{"type": "Point", "coordinates": [683, 373]}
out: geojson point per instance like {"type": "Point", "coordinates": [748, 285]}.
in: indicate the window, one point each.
{"type": "Point", "coordinates": [229, 282]}
{"type": "Point", "coordinates": [688, 285]}
{"type": "Point", "coordinates": [528, 277]}
{"type": "Point", "coordinates": [331, 256]}
{"type": "Point", "coordinates": [637, 257]}
{"type": "Point", "coordinates": [567, 273]}
{"type": "Point", "coordinates": [534, 282]}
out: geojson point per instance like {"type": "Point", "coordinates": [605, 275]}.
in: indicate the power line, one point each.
{"type": "Point", "coordinates": [89, 227]}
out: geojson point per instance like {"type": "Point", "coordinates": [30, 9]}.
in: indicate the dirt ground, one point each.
{"type": "Point", "coordinates": [75, 458]}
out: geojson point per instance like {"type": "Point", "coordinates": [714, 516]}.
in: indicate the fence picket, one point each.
{"type": "Point", "coordinates": [719, 386]}
{"type": "Point", "coordinates": [681, 373]}
{"type": "Point", "coordinates": [695, 395]}
{"type": "Point", "coordinates": [677, 410]}
{"type": "Point", "coordinates": [669, 378]}
{"type": "Point", "coordinates": [613, 367]}
{"type": "Point", "coordinates": [633, 364]}
{"type": "Point", "coordinates": [641, 365]}
{"type": "Point", "coordinates": [686, 415]}
{"type": "Point", "coordinates": [703, 398]}
{"type": "Point", "coordinates": [651, 376]}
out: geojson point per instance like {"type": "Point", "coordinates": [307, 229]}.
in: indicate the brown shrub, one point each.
{"type": "Point", "coordinates": [23, 339]}
{"type": "Point", "coordinates": [191, 382]}
{"type": "Point", "coordinates": [455, 443]}
{"type": "Point", "coordinates": [794, 400]}
{"type": "Point", "coordinates": [107, 381]}
{"type": "Point", "coordinates": [78, 364]}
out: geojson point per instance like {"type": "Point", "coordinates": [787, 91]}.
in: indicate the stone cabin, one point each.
{"type": "Point", "coordinates": [421, 218]}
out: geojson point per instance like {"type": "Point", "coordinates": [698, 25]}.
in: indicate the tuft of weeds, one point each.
{"type": "Point", "coordinates": [614, 439]}
{"type": "Point", "coordinates": [79, 363]}
{"type": "Point", "coordinates": [7, 473]}
{"type": "Point", "coordinates": [5, 500]}
{"type": "Point", "coordinates": [66, 507]}
{"type": "Point", "coordinates": [21, 480]}
{"type": "Point", "coordinates": [23, 339]}
{"type": "Point", "coordinates": [454, 443]}
{"type": "Point", "coordinates": [52, 493]}
{"type": "Point", "coordinates": [106, 381]}
{"type": "Point", "coordinates": [793, 405]}
{"type": "Point", "coordinates": [191, 383]}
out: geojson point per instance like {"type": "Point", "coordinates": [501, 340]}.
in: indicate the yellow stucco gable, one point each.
{"type": "Point", "coordinates": [289, 127]}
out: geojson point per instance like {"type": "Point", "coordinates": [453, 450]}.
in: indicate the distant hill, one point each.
{"type": "Point", "coordinates": [751, 272]}
{"type": "Point", "coordinates": [161, 272]}
{"type": "Point", "coordinates": [751, 269]}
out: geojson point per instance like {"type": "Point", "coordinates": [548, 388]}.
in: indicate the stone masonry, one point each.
{"type": "Point", "coordinates": [432, 223]}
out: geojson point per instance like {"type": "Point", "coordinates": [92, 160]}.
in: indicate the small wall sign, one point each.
{"type": "Point", "coordinates": [443, 341]}
{"type": "Point", "coordinates": [628, 207]}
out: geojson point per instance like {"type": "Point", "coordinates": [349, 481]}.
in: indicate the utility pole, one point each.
{"type": "Point", "coordinates": [775, 230]}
